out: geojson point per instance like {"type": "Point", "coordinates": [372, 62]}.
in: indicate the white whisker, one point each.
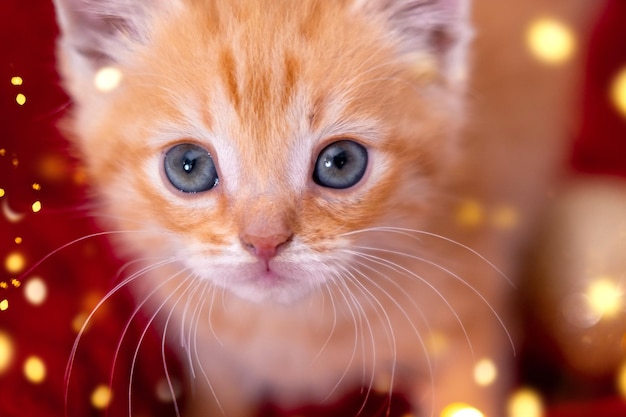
{"type": "Point", "coordinates": [458, 279]}
{"type": "Point", "coordinates": [412, 232]}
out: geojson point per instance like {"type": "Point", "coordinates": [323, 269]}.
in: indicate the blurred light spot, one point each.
{"type": "Point", "coordinates": [470, 213]}
{"type": "Point", "coordinates": [168, 391]}
{"type": "Point", "coordinates": [35, 291]}
{"type": "Point", "coordinates": [53, 167]}
{"type": "Point", "coordinates": [17, 80]}
{"type": "Point", "coordinates": [2, 192]}
{"type": "Point", "coordinates": [605, 297]}
{"type": "Point", "coordinates": [4, 285]}
{"type": "Point", "coordinates": [20, 99]}
{"type": "Point", "coordinates": [437, 343]}
{"type": "Point", "coordinates": [505, 217]}
{"type": "Point", "coordinates": [101, 397]}
{"type": "Point", "coordinates": [107, 79]}
{"type": "Point", "coordinates": [18, 240]}
{"type": "Point", "coordinates": [383, 382]}
{"type": "Point", "coordinates": [3, 152]}
{"type": "Point", "coordinates": [79, 177]}
{"type": "Point", "coordinates": [525, 403]}
{"type": "Point", "coordinates": [621, 380]}
{"type": "Point", "coordinates": [550, 40]}
{"type": "Point", "coordinates": [14, 262]}
{"type": "Point", "coordinates": [461, 410]}
{"type": "Point", "coordinates": [485, 372]}
{"type": "Point", "coordinates": [618, 91]}
{"type": "Point", "coordinates": [15, 162]}
{"type": "Point", "coordinates": [4, 305]}
{"type": "Point", "coordinates": [79, 321]}
{"type": "Point", "coordinates": [424, 66]}
{"type": "Point", "coordinates": [576, 310]}
{"type": "Point", "coordinates": [7, 351]}
{"type": "Point", "coordinates": [36, 207]}
{"type": "Point", "coordinates": [9, 214]}
{"type": "Point", "coordinates": [34, 370]}
{"type": "Point", "coordinates": [16, 283]}
{"type": "Point", "coordinates": [37, 187]}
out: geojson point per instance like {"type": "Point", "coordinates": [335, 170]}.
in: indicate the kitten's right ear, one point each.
{"type": "Point", "coordinates": [96, 33]}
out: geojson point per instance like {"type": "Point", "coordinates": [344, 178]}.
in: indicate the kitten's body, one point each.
{"type": "Point", "coordinates": [354, 287]}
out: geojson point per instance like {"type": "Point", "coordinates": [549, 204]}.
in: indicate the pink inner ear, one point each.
{"type": "Point", "coordinates": [92, 27]}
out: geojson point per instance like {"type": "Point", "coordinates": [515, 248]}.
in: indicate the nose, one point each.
{"type": "Point", "coordinates": [265, 247]}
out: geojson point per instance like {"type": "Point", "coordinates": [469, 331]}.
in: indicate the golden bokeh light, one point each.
{"type": "Point", "coordinates": [621, 380]}
{"type": "Point", "coordinates": [107, 79]}
{"type": "Point", "coordinates": [17, 80]}
{"type": "Point", "coordinates": [168, 390]}
{"type": "Point", "coordinates": [79, 321]}
{"type": "Point", "coordinates": [525, 403]}
{"type": "Point", "coordinates": [35, 370]}
{"type": "Point", "coordinates": [551, 41]}
{"type": "Point", "coordinates": [4, 305]}
{"type": "Point", "coordinates": [35, 291]}
{"type": "Point", "coordinates": [605, 298]}
{"type": "Point", "coordinates": [101, 397]}
{"type": "Point", "coordinates": [2, 192]}
{"type": "Point", "coordinates": [485, 372]}
{"type": "Point", "coordinates": [18, 240]}
{"type": "Point", "coordinates": [7, 351]}
{"type": "Point", "coordinates": [461, 410]}
{"type": "Point", "coordinates": [20, 99]}
{"type": "Point", "coordinates": [36, 207]}
{"type": "Point", "coordinates": [14, 262]}
{"type": "Point", "coordinates": [470, 213]}
{"type": "Point", "coordinates": [618, 91]}
{"type": "Point", "coordinates": [505, 217]}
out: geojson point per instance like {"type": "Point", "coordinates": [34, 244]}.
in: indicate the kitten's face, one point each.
{"type": "Point", "coordinates": [254, 145]}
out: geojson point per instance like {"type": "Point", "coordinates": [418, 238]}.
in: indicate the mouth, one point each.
{"type": "Point", "coordinates": [269, 282]}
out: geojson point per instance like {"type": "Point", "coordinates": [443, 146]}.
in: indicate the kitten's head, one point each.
{"type": "Point", "coordinates": [255, 141]}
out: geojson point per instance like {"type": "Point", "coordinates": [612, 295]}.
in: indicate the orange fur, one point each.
{"type": "Point", "coordinates": [364, 287]}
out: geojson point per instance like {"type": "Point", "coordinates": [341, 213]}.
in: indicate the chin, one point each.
{"type": "Point", "coordinates": [285, 294]}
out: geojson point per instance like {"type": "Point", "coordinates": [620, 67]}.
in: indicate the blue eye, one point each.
{"type": "Point", "coordinates": [190, 168]}
{"type": "Point", "coordinates": [340, 165]}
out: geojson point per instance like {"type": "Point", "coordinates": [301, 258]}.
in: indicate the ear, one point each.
{"type": "Point", "coordinates": [428, 29]}
{"type": "Point", "coordinates": [97, 33]}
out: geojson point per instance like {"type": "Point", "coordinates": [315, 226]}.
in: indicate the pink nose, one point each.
{"type": "Point", "coordinates": [265, 247]}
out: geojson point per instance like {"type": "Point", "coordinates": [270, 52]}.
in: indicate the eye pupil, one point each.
{"type": "Point", "coordinates": [341, 165]}
{"type": "Point", "coordinates": [190, 168]}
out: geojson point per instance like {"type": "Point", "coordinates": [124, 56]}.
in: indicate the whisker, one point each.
{"type": "Point", "coordinates": [391, 337]}
{"type": "Point", "coordinates": [386, 263]}
{"type": "Point", "coordinates": [199, 361]}
{"type": "Point", "coordinates": [458, 279]}
{"type": "Point", "coordinates": [356, 336]}
{"type": "Point", "coordinates": [192, 288]}
{"type": "Point", "coordinates": [411, 233]}
{"type": "Point", "coordinates": [140, 306]}
{"type": "Point", "coordinates": [333, 327]}
{"type": "Point", "coordinates": [147, 327]}
{"type": "Point", "coordinates": [81, 332]}
{"type": "Point", "coordinates": [75, 241]}
{"type": "Point", "coordinates": [403, 311]}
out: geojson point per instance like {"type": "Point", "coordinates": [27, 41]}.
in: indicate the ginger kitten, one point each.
{"type": "Point", "coordinates": [279, 167]}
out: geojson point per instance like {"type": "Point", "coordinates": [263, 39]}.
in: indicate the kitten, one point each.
{"type": "Point", "coordinates": [280, 167]}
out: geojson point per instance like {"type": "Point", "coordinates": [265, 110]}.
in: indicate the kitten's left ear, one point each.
{"type": "Point", "coordinates": [435, 29]}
